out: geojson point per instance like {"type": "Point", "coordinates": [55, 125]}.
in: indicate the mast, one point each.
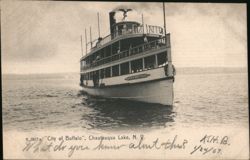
{"type": "Point", "coordinates": [90, 37]}
{"type": "Point", "coordinates": [142, 23]}
{"type": "Point", "coordinates": [81, 45]}
{"type": "Point", "coordinates": [169, 57]}
{"type": "Point", "coordinates": [164, 22]}
{"type": "Point", "coordinates": [98, 24]}
{"type": "Point", "coordinates": [86, 41]}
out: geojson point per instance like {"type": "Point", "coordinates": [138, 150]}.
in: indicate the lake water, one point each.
{"type": "Point", "coordinates": [40, 102]}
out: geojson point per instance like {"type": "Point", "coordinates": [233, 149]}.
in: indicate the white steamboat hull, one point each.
{"type": "Point", "coordinates": [155, 91]}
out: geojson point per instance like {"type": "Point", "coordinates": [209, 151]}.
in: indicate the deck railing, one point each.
{"type": "Point", "coordinates": [131, 52]}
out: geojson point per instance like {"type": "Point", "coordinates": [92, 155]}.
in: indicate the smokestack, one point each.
{"type": "Point", "coordinates": [112, 21]}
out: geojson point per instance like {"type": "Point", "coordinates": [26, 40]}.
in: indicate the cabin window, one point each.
{"type": "Point", "coordinates": [107, 72]}
{"type": "Point", "coordinates": [115, 70]}
{"type": "Point", "coordinates": [87, 60]}
{"type": "Point", "coordinates": [83, 63]}
{"type": "Point", "coordinates": [102, 75]}
{"type": "Point", "coordinates": [108, 51]}
{"type": "Point", "coordinates": [97, 56]}
{"type": "Point", "coordinates": [96, 74]}
{"type": "Point", "coordinates": [149, 62]}
{"type": "Point", "coordinates": [162, 59]}
{"type": "Point", "coordinates": [81, 78]}
{"type": "Point", "coordinates": [136, 65]}
{"type": "Point", "coordinates": [101, 55]}
{"type": "Point", "coordinates": [125, 68]}
{"type": "Point", "coordinates": [115, 48]}
{"type": "Point", "coordinates": [96, 78]}
{"type": "Point", "coordinates": [129, 28]}
{"type": "Point", "coordinates": [84, 77]}
{"type": "Point", "coordinates": [91, 59]}
{"type": "Point", "coordinates": [87, 74]}
{"type": "Point", "coordinates": [119, 29]}
{"type": "Point", "coordinates": [90, 75]}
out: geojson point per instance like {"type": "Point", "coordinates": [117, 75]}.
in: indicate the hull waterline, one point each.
{"type": "Point", "coordinates": [158, 91]}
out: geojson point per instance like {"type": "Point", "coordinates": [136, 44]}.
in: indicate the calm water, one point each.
{"type": "Point", "coordinates": [56, 102]}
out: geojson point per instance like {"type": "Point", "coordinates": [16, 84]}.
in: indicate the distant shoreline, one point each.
{"type": "Point", "coordinates": [210, 70]}
{"type": "Point", "coordinates": [179, 70]}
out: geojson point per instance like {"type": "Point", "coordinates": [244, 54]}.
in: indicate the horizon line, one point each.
{"type": "Point", "coordinates": [209, 67]}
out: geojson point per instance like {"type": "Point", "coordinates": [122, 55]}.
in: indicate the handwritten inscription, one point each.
{"type": "Point", "coordinates": [169, 144]}
{"type": "Point", "coordinates": [102, 146]}
{"type": "Point", "coordinates": [208, 144]}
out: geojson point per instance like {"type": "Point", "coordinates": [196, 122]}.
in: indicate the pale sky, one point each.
{"type": "Point", "coordinates": [44, 36]}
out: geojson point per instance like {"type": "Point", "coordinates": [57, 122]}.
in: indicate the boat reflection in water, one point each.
{"type": "Point", "coordinates": [111, 114]}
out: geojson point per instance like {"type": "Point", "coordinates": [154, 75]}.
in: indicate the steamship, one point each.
{"type": "Point", "coordinates": [133, 62]}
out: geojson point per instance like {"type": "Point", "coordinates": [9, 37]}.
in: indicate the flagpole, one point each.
{"type": "Point", "coordinates": [169, 56]}
{"type": "Point", "coordinates": [164, 22]}
{"type": "Point", "coordinates": [142, 23]}
{"type": "Point", "coordinates": [81, 45]}
{"type": "Point", "coordinates": [90, 37]}
{"type": "Point", "coordinates": [86, 40]}
{"type": "Point", "coordinates": [98, 24]}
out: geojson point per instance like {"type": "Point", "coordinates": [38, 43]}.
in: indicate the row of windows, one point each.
{"type": "Point", "coordinates": [134, 66]}
{"type": "Point", "coordinates": [113, 49]}
{"type": "Point", "coordinates": [131, 45]}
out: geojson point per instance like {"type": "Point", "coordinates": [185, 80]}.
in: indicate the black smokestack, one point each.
{"type": "Point", "coordinates": [112, 21]}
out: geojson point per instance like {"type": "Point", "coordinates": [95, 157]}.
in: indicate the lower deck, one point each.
{"type": "Point", "coordinates": [138, 77]}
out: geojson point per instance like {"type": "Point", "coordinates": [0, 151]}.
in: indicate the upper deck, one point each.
{"type": "Point", "coordinates": [123, 30]}
{"type": "Point", "coordinates": [139, 50]}
{"type": "Point", "coordinates": [126, 38]}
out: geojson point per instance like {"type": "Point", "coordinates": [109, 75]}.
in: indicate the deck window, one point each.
{"type": "Point", "coordinates": [107, 72]}
{"type": "Point", "coordinates": [162, 59]}
{"type": "Point", "coordinates": [149, 62]}
{"type": "Point", "coordinates": [83, 63]}
{"type": "Point", "coordinates": [108, 51]}
{"type": "Point", "coordinates": [124, 68]}
{"type": "Point", "coordinates": [102, 74]}
{"type": "Point", "coordinates": [88, 76]}
{"type": "Point", "coordinates": [115, 70]}
{"type": "Point", "coordinates": [96, 74]}
{"type": "Point", "coordinates": [91, 76]}
{"type": "Point", "coordinates": [115, 48]}
{"type": "Point", "coordinates": [136, 65]}
{"type": "Point", "coordinates": [85, 76]}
